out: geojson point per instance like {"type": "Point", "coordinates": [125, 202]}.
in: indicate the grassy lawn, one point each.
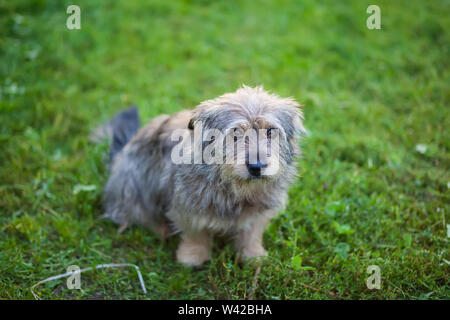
{"type": "Point", "coordinates": [375, 175]}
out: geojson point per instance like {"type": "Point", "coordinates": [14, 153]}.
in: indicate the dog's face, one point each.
{"type": "Point", "coordinates": [258, 131]}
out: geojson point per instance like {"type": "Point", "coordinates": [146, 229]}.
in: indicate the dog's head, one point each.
{"type": "Point", "coordinates": [253, 132]}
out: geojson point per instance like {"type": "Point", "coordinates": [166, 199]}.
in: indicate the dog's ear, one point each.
{"type": "Point", "coordinates": [197, 114]}
{"type": "Point", "coordinates": [292, 115]}
{"type": "Point", "coordinates": [191, 124]}
{"type": "Point", "coordinates": [298, 121]}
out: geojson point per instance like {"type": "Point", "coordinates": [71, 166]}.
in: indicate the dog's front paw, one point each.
{"type": "Point", "coordinates": [192, 255]}
{"type": "Point", "coordinates": [248, 253]}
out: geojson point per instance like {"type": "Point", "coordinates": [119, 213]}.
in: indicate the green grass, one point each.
{"type": "Point", "coordinates": [367, 194]}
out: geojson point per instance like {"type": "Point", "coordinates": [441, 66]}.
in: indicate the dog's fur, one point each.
{"type": "Point", "coordinates": [198, 200]}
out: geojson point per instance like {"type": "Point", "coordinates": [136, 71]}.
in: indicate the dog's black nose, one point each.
{"type": "Point", "coordinates": [255, 169]}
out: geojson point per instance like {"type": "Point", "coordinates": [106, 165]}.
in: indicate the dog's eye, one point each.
{"type": "Point", "coordinates": [269, 133]}
{"type": "Point", "coordinates": [237, 134]}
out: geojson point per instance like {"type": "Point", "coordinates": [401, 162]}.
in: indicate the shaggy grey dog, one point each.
{"type": "Point", "coordinates": [146, 186]}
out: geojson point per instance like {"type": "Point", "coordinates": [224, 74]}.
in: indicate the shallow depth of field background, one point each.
{"type": "Point", "coordinates": [374, 186]}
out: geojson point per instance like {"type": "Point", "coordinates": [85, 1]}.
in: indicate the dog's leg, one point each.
{"type": "Point", "coordinates": [248, 242]}
{"type": "Point", "coordinates": [194, 248]}
{"type": "Point", "coordinates": [162, 229]}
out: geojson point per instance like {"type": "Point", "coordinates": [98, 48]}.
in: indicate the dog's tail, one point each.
{"type": "Point", "coordinates": [119, 130]}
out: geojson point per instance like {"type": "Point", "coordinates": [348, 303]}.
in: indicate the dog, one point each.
{"type": "Point", "coordinates": [196, 199]}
